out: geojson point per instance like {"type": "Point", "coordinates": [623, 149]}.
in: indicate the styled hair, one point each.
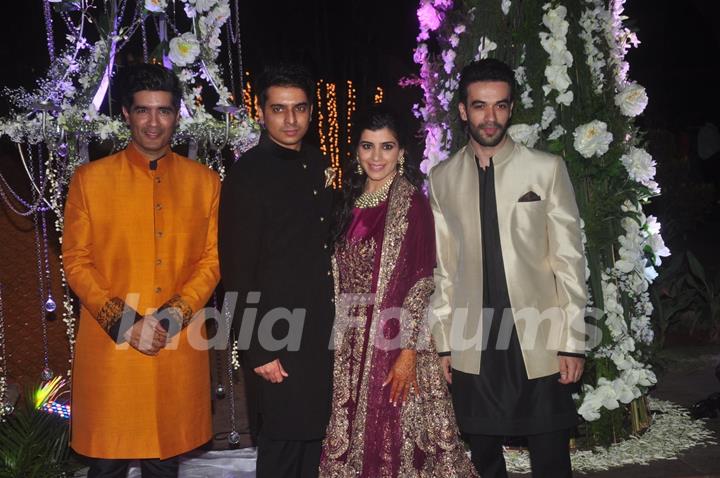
{"type": "Point", "coordinates": [149, 77]}
{"type": "Point", "coordinates": [288, 75]}
{"type": "Point", "coordinates": [374, 118]}
{"type": "Point", "coordinates": [489, 69]}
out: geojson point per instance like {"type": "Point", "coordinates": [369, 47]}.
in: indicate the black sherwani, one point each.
{"type": "Point", "coordinates": [273, 232]}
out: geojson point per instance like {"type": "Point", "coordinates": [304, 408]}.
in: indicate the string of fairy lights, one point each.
{"type": "Point", "coordinates": [333, 128]}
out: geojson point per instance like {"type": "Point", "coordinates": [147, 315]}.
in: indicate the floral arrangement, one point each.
{"type": "Point", "coordinates": [573, 99]}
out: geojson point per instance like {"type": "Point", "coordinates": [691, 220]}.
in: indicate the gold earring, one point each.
{"type": "Point", "coordinates": [401, 165]}
{"type": "Point", "coordinates": [358, 168]}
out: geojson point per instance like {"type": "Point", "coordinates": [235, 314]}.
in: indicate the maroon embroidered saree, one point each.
{"type": "Point", "coordinates": [383, 281]}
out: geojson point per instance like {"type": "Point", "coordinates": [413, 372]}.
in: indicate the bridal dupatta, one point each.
{"type": "Point", "coordinates": [388, 251]}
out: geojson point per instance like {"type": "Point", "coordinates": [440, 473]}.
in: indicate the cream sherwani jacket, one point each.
{"type": "Point", "coordinates": [541, 250]}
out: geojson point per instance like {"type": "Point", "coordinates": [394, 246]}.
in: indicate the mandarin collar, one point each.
{"type": "Point", "coordinates": [505, 152]}
{"type": "Point", "coordinates": [275, 149]}
{"type": "Point", "coordinates": [139, 159]}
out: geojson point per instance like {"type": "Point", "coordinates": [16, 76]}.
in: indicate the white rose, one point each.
{"type": "Point", "coordinates": [184, 49]}
{"type": "Point", "coordinates": [632, 100]}
{"type": "Point", "coordinates": [639, 164]}
{"type": "Point", "coordinates": [525, 134]}
{"type": "Point", "coordinates": [592, 139]}
{"type": "Point", "coordinates": [155, 5]}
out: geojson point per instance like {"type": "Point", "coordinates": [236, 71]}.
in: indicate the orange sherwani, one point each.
{"type": "Point", "coordinates": [130, 229]}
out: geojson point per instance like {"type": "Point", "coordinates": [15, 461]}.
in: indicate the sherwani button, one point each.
{"type": "Point", "coordinates": [158, 206]}
{"type": "Point", "coordinates": [315, 192]}
{"type": "Point", "coordinates": [158, 290]}
{"type": "Point", "coordinates": [158, 262]}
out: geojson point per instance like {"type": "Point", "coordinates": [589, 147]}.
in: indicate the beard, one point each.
{"type": "Point", "coordinates": [488, 141]}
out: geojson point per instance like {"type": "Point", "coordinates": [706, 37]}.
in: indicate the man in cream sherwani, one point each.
{"type": "Point", "coordinates": [510, 283]}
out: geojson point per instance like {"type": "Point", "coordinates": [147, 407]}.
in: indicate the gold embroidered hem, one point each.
{"type": "Point", "coordinates": [110, 313]}
{"type": "Point", "coordinates": [178, 310]}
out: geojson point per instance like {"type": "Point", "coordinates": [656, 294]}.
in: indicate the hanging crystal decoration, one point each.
{"type": "Point", "coordinates": [50, 304]}
{"type": "Point", "coordinates": [8, 408]}
{"type": "Point", "coordinates": [47, 374]}
{"type": "Point", "coordinates": [234, 438]}
{"type": "Point", "coordinates": [220, 391]}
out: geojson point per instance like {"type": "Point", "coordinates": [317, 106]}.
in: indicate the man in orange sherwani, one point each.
{"type": "Point", "coordinates": [140, 251]}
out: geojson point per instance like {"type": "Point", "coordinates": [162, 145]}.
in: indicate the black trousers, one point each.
{"type": "Point", "coordinates": [150, 468]}
{"type": "Point", "coordinates": [287, 458]}
{"type": "Point", "coordinates": [549, 455]}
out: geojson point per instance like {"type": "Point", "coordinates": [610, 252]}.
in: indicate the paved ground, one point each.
{"type": "Point", "coordinates": [684, 384]}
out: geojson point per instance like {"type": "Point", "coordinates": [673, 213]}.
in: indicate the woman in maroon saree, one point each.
{"type": "Point", "coordinates": [391, 414]}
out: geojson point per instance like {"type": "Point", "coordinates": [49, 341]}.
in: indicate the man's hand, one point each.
{"type": "Point", "coordinates": [571, 369]}
{"type": "Point", "coordinates": [402, 376]}
{"type": "Point", "coordinates": [446, 364]}
{"type": "Point", "coordinates": [147, 335]}
{"type": "Point", "coordinates": [272, 372]}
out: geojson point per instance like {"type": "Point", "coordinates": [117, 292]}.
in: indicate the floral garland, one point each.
{"type": "Point", "coordinates": [547, 109]}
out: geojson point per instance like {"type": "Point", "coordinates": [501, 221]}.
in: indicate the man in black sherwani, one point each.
{"type": "Point", "coordinates": [275, 211]}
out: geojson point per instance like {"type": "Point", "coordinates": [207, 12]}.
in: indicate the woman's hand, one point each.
{"type": "Point", "coordinates": [402, 376]}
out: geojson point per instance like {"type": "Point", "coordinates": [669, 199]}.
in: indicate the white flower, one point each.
{"type": "Point", "coordinates": [526, 99]}
{"type": "Point", "coordinates": [190, 10]}
{"type": "Point", "coordinates": [184, 49]}
{"type": "Point", "coordinates": [557, 133]}
{"type": "Point", "coordinates": [565, 98]}
{"type": "Point", "coordinates": [558, 78]}
{"type": "Point", "coordinates": [460, 29]}
{"type": "Point", "coordinates": [505, 6]}
{"type": "Point", "coordinates": [525, 134]}
{"type": "Point", "coordinates": [219, 15]}
{"type": "Point", "coordinates": [554, 20]}
{"type": "Point", "coordinates": [421, 53]}
{"type": "Point", "coordinates": [592, 139]}
{"type": "Point", "coordinates": [640, 167]}
{"type": "Point", "coordinates": [429, 19]}
{"type": "Point", "coordinates": [155, 5]}
{"type": "Point", "coordinates": [448, 57]}
{"type": "Point", "coordinates": [202, 6]}
{"type": "Point", "coordinates": [486, 46]}
{"type": "Point", "coordinates": [557, 49]}
{"type": "Point", "coordinates": [548, 116]}
{"type": "Point", "coordinates": [632, 100]}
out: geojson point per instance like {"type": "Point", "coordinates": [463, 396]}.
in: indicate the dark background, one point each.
{"type": "Point", "coordinates": [371, 42]}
